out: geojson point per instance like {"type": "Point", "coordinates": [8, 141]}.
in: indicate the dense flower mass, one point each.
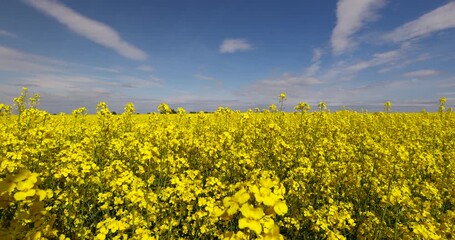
{"type": "Point", "coordinates": [226, 175]}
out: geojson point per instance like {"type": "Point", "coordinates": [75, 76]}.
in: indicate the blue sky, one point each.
{"type": "Point", "coordinates": [203, 54]}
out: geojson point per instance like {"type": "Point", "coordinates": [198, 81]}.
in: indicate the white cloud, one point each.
{"type": "Point", "coordinates": [204, 77]}
{"type": "Point", "coordinates": [317, 54]}
{"type": "Point", "coordinates": [405, 62]}
{"type": "Point", "coordinates": [65, 86]}
{"type": "Point", "coordinates": [448, 83]}
{"type": "Point", "coordinates": [422, 73]}
{"type": "Point", "coordinates": [101, 90]}
{"type": "Point", "coordinates": [352, 15]}
{"type": "Point", "coordinates": [154, 80]}
{"type": "Point", "coordinates": [104, 69]}
{"type": "Point", "coordinates": [313, 69]}
{"type": "Point", "coordinates": [266, 89]}
{"type": "Point", "coordinates": [61, 93]}
{"type": "Point", "coordinates": [436, 20]}
{"type": "Point", "coordinates": [208, 78]}
{"type": "Point", "coordinates": [288, 80]}
{"type": "Point", "coordinates": [198, 103]}
{"type": "Point", "coordinates": [316, 62]}
{"type": "Point", "coordinates": [378, 59]}
{"type": "Point", "coordinates": [388, 58]}
{"type": "Point", "coordinates": [12, 60]}
{"type": "Point", "coordinates": [146, 68]}
{"type": "Point", "coordinates": [7, 34]}
{"type": "Point", "coordinates": [135, 82]}
{"type": "Point", "coordinates": [376, 92]}
{"type": "Point", "coordinates": [445, 93]}
{"type": "Point", "coordinates": [54, 78]}
{"type": "Point", "coordinates": [60, 82]}
{"type": "Point", "coordinates": [371, 95]}
{"type": "Point", "coordinates": [235, 45]}
{"type": "Point", "coordinates": [91, 29]}
{"type": "Point", "coordinates": [295, 85]}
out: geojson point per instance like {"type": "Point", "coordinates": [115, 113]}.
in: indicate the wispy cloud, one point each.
{"type": "Point", "coordinates": [104, 69]}
{"type": "Point", "coordinates": [377, 59]}
{"type": "Point", "coordinates": [60, 82]}
{"type": "Point", "coordinates": [386, 85]}
{"type": "Point", "coordinates": [91, 29]}
{"type": "Point", "coordinates": [405, 62]}
{"type": "Point", "coordinates": [51, 75]}
{"type": "Point", "coordinates": [13, 60]}
{"type": "Point", "coordinates": [235, 45]}
{"type": "Point", "coordinates": [288, 81]}
{"type": "Point", "coordinates": [422, 73]}
{"type": "Point", "coordinates": [448, 83]}
{"type": "Point", "coordinates": [388, 58]}
{"type": "Point", "coordinates": [204, 77]}
{"type": "Point", "coordinates": [198, 102]}
{"type": "Point", "coordinates": [18, 61]}
{"type": "Point", "coordinates": [65, 85]}
{"type": "Point", "coordinates": [317, 54]}
{"type": "Point", "coordinates": [135, 82]}
{"type": "Point", "coordinates": [146, 68]}
{"type": "Point", "coordinates": [7, 34]}
{"type": "Point", "coordinates": [265, 90]}
{"type": "Point", "coordinates": [446, 93]}
{"type": "Point", "coordinates": [352, 15]}
{"type": "Point", "coordinates": [208, 78]}
{"type": "Point", "coordinates": [436, 20]}
{"type": "Point", "coordinates": [375, 93]}
{"type": "Point", "coordinates": [67, 91]}
{"type": "Point", "coordinates": [370, 95]}
{"type": "Point", "coordinates": [315, 62]}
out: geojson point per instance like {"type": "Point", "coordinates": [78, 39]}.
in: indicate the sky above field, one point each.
{"type": "Point", "coordinates": [202, 54]}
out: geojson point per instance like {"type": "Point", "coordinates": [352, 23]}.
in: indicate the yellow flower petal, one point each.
{"type": "Point", "coordinates": [227, 201]}
{"type": "Point", "coordinates": [41, 194]}
{"type": "Point", "coordinates": [266, 183]}
{"type": "Point", "coordinates": [24, 185]}
{"type": "Point", "coordinates": [23, 195]}
{"type": "Point", "coordinates": [232, 209]}
{"type": "Point", "coordinates": [251, 224]}
{"type": "Point", "coordinates": [20, 196]}
{"type": "Point", "coordinates": [251, 212]}
{"type": "Point", "coordinates": [21, 176]}
{"type": "Point", "coordinates": [33, 178]}
{"type": "Point", "coordinates": [242, 196]}
{"type": "Point", "coordinates": [270, 199]}
{"type": "Point", "coordinates": [268, 224]}
{"type": "Point", "coordinates": [280, 208]}
{"type": "Point", "coordinates": [7, 186]}
{"type": "Point", "coordinates": [254, 189]}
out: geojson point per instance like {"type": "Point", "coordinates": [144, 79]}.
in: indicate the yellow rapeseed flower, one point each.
{"type": "Point", "coordinates": [19, 196]}
{"type": "Point", "coordinates": [251, 217]}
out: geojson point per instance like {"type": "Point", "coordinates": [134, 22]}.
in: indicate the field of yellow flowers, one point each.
{"type": "Point", "coordinates": [226, 175]}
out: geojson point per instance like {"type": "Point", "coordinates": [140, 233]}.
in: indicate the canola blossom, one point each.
{"type": "Point", "coordinates": [226, 175]}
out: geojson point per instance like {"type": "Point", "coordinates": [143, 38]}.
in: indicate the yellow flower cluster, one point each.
{"type": "Point", "coordinates": [259, 215]}
{"type": "Point", "coordinates": [19, 192]}
{"type": "Point", "coordinates": [226, 175]}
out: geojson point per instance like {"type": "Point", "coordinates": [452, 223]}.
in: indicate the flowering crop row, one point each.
{"type": "Point", "coordinates": [227, 175]}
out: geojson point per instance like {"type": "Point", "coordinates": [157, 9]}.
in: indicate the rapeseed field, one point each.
{"type": "Point", "coordinates": [226, 175]}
